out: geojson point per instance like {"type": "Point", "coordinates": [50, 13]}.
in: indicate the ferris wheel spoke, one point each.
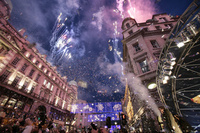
{"type": "Point", "coordinates": [191, 62]}
{"type": "Point", "coordinates": [183, 95]}
{"type": "Point", "coordinates": [189, 108]}
{"type": "Point", "coordinates": [190, 78]}
{"type": "Point", "coordinates": [189, 91]}
{"type": "Point", "coordinates": [188, 87]}
{"type": "Point", "coordinates": [191, 70]}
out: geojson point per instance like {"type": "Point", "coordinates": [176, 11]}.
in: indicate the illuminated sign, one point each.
{"type": "Point", "coordinates": [102, 117]}
{"type": "Point", "coordinates": [97, 107]}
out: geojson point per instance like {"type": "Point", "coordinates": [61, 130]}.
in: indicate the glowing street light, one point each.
{"type": "Point", "coordinates": [180, 44]}
{"type": "Point", "coordinates": [152, 86]}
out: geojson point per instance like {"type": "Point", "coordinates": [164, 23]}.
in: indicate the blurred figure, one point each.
{"type": "Point", "coordinates": [29, 126]}
{"type": "Point", "coordinates": [2, 115]}
{"type": "Point", "coordinates": [16, 128]}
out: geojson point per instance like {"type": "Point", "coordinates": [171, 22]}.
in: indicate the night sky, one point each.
{"type": "Point", "coordinates": [83, 37]}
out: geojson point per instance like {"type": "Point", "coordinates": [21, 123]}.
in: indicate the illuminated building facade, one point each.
{"type": "Point", "coordinates": [27, 80]}
{"type": "Point", "coordinates": [142, 44]}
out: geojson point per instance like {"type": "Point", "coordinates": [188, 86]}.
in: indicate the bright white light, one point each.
{"type": "Point", "coordinates": [166, 78]}
{"type": "Point", "coordinates": [164, 81]}
{"type": "Point", "coordinates": [152, 86]}
{"type": "Point", "coordinates": [173, 63]}
{"type": "Point", "coordinates": [173, 59]}
{"type": "Point", "coordinates": [180, 44]}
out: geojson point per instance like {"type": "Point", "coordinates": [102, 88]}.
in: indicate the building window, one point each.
{"type": "Point", "coordinates": [42, 67]}
{"type": "Point", "coordinates": [128, 25]}
{"type": "Point", "coordinates": [37, 62]}
{"type": "Point", "coordinates": [48, 85]}
{"type": "Point", "coordinates": [154, 43]}
{"type": "Point", "coordinates": [15, 61]}
{"type": "Point", "coordinates": [137, 47]}
{"type": "Point", "coordinates": [52, 88]}
{"type": "Point", "coordinates": [31, 73]}
{"type": "Point", "coordinates": [4, 76]}
{"type": "Point", "coordinates": [32, 89]}
{"type": "Point", "coordinates": [130, 32]}
{"type": "Point", "coordinates": [37, 78]}
{"type": "Point", "coordinates": [60, 93]}
{"type": "Point", "coordinates": [24, 67]}
{"type": "Point", "coordinates": [57, 91]}
{"type": "Point", "coordinates": [23, 50]}
{"type": "Point", "coordinates": [45, 81]}
{"type": "Point", "coordinates": [158, 27]}
{"type": "Point", "coordinates": [16, 80]}
{"type": "Point", "coordinates": [30, 57]}
{"type": "Point", "coordinates": [145, 29]}
{"type": "Point", "coordinates": [2, 49]}
{"type": "Point", "coordinates": [144, 66]}
{"type": "Point", "coordinates": [169, 26]}
{"type": "Point", "coordinates": [25, 85]}
{"type": "Point", "coordinates": [163, 19]}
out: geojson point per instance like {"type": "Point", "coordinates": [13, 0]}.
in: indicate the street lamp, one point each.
{"type": "Point", "coordinates": [152, 86]}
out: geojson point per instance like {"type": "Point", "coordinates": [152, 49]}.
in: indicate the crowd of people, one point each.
{"type": "Point", "coordinates": [20, 122]}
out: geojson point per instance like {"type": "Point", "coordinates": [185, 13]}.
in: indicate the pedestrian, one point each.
{"type": "Point", "coordinates": [29, 126]}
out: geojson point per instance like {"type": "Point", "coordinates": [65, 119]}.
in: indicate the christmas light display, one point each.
{"type": "Point", "coordinates": [97, 107]}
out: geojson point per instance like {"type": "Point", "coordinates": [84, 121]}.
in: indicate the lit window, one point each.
{"type": "Point", "coordinates": [45, 82]}
{"type": "Point", "coordinates": [16, 80]}
{"type": "Point", "coordinates": [49, 74]}
{"type": "Point", "coordinates": [137, 47]}
{"type": "Point", "coordinates": [27, 54]}
{"type": "Point", "coordinates": [144, 66]}
{"type": "Point", "coordinates": [45, 70]}
{"type": "Point", "coordinates": [34, 60]}
{"type": "Point", "coordinates": [15, 61]}
{"type": "Point", "coordinates": [40, 65]}
{"type": "Point", "coordinates": [154, 43]}
{"type": "Point", "coordinates": [48, 85]}
{"type": "Point", "coordinates": [25, 85]}
{"type": "Point", "coordinates": [52, 88]}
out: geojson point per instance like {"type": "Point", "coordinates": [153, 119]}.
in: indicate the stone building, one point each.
{"type": "Point", "coordinates": [27, 80]}
{"type": "Point", "coordinates": [142, 44]}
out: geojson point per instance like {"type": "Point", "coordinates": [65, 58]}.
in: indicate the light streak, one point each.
{"type": "Point", "coordinates": [131, 11]}
{"type": "Point", "coordinates": [63, 41]}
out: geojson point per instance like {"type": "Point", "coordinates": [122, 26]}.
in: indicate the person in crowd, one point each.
{"type": "Point", "coordinates": [29, 126]}
{"type": "Point", "coordinates": [2, 115]}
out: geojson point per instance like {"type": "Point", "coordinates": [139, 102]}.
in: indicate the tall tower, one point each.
{"type": "Point", "coordinates": [142, 44]}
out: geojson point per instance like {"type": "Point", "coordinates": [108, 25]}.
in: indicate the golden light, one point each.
{"type": "Point", "coordinates": [152, 86]}
{"type": "Point", "coordinates": [196, 99]}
